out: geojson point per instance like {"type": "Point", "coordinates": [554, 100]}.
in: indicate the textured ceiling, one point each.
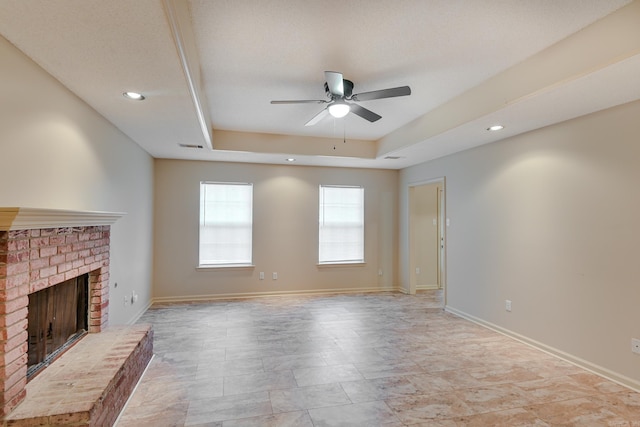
{"type": "Point", "coordinates": [239, 55]}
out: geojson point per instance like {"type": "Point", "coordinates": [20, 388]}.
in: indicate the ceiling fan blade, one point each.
{"type": "Point", "coordinates": [321, 115]}
{"type": "Point", "coordinates": [364, 113]}
{"type": "Point", "coordinates": [301, 101]}
{"type": "Point", "coordinates": [383, 93]}
{"type": "Point", "coordinates": [335, 83]}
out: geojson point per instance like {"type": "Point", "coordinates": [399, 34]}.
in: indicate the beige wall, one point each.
{"type": "Point", "coordinates": [285, 230]}
{"type": "Point", "coordinates": [57, 152]}
{"type": "Point", "coordinates": [548, 220]}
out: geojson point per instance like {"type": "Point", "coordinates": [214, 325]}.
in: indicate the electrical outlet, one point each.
{"type": "Point", "coordinates": [274, 276]}
{"type": "Point", "coordinates": [417, 270]}
{"type": "Point", "coordinates": [635, 345]}
{"type": "Point", "coordinates": [380, 272]}
{"type": "Point", "coordinates": [262, 275]}
{"type": "Point", "coordinates": [507, 305]}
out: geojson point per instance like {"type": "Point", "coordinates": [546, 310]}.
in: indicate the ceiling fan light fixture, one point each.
{"type": "Point", "coordinates": [339, 109]}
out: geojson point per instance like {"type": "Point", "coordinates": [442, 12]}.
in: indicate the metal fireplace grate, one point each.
{"type": "Point", "coordinates": [33, 370]}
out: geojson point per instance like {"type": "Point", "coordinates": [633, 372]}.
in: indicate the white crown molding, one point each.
{"type": "Point", "coordinates": [179, 17]}
{"type": "Point", "coordinates": [12, 218]}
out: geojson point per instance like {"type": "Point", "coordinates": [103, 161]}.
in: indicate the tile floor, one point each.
{"type": "Point", "coordinates": [357, 360]}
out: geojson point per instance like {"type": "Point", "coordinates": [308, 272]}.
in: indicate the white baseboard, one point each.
{"type": "Point", "coordinates": [214, 297]}
{"type": "Point", "coordinates": [591, 367]}
{"type": "Point", "coordinates": [139, 314]}
{"type": "Point", "coordinates": [427, 287]}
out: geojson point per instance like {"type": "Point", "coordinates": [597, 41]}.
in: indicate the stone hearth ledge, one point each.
{"type": "Point", "coordinates": [90, 383]}
{"type": "Point", "coordinates": [24, 218]}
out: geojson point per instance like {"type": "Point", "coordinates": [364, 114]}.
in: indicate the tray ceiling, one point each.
{"type": "Point", "coordinates": [210, 68]}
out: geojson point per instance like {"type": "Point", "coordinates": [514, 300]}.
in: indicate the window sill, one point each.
{"type": "Point", "coordinates": [341, 264]}
{"type": "Point", "coordinates": [225, 267]}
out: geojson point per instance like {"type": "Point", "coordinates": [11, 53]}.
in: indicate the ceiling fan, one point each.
{"type": "Point", "coordinates": [341, 97]}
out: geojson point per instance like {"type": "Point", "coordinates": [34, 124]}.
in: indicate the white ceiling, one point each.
{"type": "Point", "coordinates": [228, 59]}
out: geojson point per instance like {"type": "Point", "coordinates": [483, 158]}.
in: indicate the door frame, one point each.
{"type": "Point", "coordinates": [441, 224]}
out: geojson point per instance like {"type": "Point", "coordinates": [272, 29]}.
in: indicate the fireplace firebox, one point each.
{"type": "Point", "coordinates": [58, 317]}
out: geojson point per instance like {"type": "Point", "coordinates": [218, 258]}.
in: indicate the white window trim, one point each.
{"type": "Point", "coordinates": [208, 267]}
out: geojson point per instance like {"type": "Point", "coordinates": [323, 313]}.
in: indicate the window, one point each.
{"type": "Point", "coordinates": [341, 228]}
{"type": "Point", "coordinates": [226, 222]}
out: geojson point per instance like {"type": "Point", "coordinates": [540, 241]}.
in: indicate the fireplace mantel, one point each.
{"type": "Point", "coordinates": [12, 218]}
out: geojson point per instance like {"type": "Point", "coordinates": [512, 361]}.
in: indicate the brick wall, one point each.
{"type": "Point", "coordinates": [106, 411]}
{"type": "Point", "coordinates": [31, 260]}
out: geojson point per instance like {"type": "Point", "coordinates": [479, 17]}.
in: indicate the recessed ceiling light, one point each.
{"type": "Point", "coordinates": [495, 128]}
{"type": "Point", "coordinates": [291, 159]}
{"type": "Point", "coordinates": [134, 95]}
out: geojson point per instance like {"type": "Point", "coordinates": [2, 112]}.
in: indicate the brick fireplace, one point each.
{"type": "Point", "coordinates": [40, 248]}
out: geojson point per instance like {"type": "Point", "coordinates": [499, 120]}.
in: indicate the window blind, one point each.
{"type": "Point", "coordinates": [226, 223]}
{"type": "Point", "coordinates": [341, 225]}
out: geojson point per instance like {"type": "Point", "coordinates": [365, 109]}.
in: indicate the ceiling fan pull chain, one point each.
{"type": "Point", "coordinates": [344, 132]}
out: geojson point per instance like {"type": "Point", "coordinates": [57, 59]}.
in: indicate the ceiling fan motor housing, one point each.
{"type": "Point", "coordinates": [347, 85]}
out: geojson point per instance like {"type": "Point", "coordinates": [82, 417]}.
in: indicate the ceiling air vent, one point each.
{"type": "Point", "coordinates": [190, 146]}
{"type": "Point", "coordinates": [392, 158]}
